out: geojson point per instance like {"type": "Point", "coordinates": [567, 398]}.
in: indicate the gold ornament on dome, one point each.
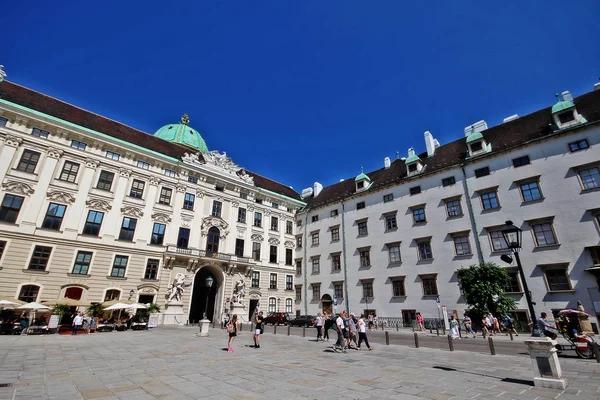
{"type": "Point", "coordinates": [185, 119]}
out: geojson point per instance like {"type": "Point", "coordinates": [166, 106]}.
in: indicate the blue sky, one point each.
{"type": "Point", "coordinates": [305, 91]}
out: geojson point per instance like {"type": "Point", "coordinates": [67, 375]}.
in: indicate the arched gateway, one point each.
{"type": "Point", "coordinates": [204, 298]}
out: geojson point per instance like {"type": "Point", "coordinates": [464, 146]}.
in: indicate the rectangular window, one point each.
{"type": "Point", "coordinates": [566, 117]}
{"type": "Point", "coordinates": [137, 189]}
{"type": "Point", "coordinates": [219, 187]}
{"type": "Point", "coordinates": [365, 258]}
{"type": "Point", "coordinates": [498, 242]}
{"type": "Point", "coordinates": [530, 191]}
{"type": "Point", "coordinates": [388, 197]}
{"type": "Point", "coordinates": [513, 284]}
{"type": "Point", "coordinates": [558, 279]}
{"type": "Point", "coordinates": [274, 224]}
{"type": "Point", "coordinates": [54, 216]}
{"type": "Point", "coordinates": [462, 246]}
{"type": "Point", "coordinates": [82, 263]}
{"type": "Point", "coordinates": [273, 254]}
{"type": "Point", "coordinates": [76, 144]}
{"type": "Point", "coordinates": [2, 247]}
{"type": "Point", "coordinates": [424, 248]}
{"type": "Point", "coordinates": [390, 222]}
{"type": "Point", "coordinates": [578, 145]}
{"type": "Point", "coordinates": [289, 257]}
{"type": "Point", "coordinates": [394, 254]}
{"type": "Point", "coordinates": [415, 190]}
{"type": "Point", "coordinates": [412, 168]}
{"type": "Point", "coordinates": [289, 282]}
{"type": "Point", "coordinates": [151, 269]}
{"type": "Point", "coordinates": [272, 304]}
{"type": "Point", "coordinates": [476, 146]}
{"type": "Point", "coordinates": [299, 223]}
{"type": "Point", "coordinates": [216, 208]}
{"type": "Point", "coordinates": [255, 279]}
{"type": "Point", "coordinates": [360, 205]}
{"type": "Point", "coordinates": [520, 161]}
{"type": "Point", "coordinates": [158, 234]}
{"type": "Point", "coordinates": [273, 281]}
{"type": "Point", "coordinates": [335, 234]}
{"type": "Point", "coordinates": [258, 200]}
{"type": "Point", "coordinates": [105, 180]}
{"type": "Point", "coordinates": [239, 247]}
{"type": "Point", "coordinates": [93, 223]}
{"type": "Point", "coordinates": [299, 267]}
{"type": "Point", "coordinates": [429, 286]}
{"type": "Point", "coordinates": [256, 251]}
{"type": "Point", "coordinates": [315, 238]}
{"type": "Point", "coordinates": [3, 121]}
{"type": "Point", "coordinates": [453, 208]}
{"type": "Point", "coordinates": [316, 265]}
{"type": "Point", "coordinates": [165, 196]}
{"type": "Point", "coordinates": [299, 242]}
{"type": "Point", "coordinates": [289, 228]}
{"type": "Point", "coordinates": [362, 228]}
{"type": "Point", "coordinates": [360, 185]}
{"type": "Point", "coordinates": [170, 173]}
{"type": "Point", "coordinates": [336, 265]}
{"type": "Point", "coordinates": [334, 213]}
{"type": "Point", "coordinates": [192, 179]}
{"type": "Point", "coordinates": [314, 218]}
{"type": "Point", "coordinates": [419, 215]}
{"type": "Point", "coordinates": [338, 290]}
{"type": "Point", "coordinates": [367, 290]}
{"type": "Point", "coordinates": [69, 172]}
{"type": "Point", "coordinates": [448, 181]}
{"type": "Point", "coordinates": [258, 220]}
{"type": "Point", "coordinates": [298, 293]}
{"type": "Point", "coordinates": [243, 195]}
{"type": "Point", "coordinates": [183, 238]}
{"type": "Point", "coordinates": [316, 291]}
{"type": "Point", "coordinates": [112, 155]}
{"type": "Point", "coordinates": [119, 266]}
{"type": "Point", "coordinates": [489, 200]}
{"type": "Point", "coordinates": [590, 178]}
{"type": "Point", "coordinates": [544, 234]}
{"type": "Point", "coordinates": [482, 172]}
{"type": "Point", "coordinates": [28, 161]}
{"type": "Point", "coordinates": [127, 229]}
{"type": "Point", "coordinates": [37, 132]}
{"type": "Point", "coordinates": [29, 293]}
{"type": "Point", "coordinates": [188, 201]}
{"type": "Point", "coordinates": [275, 205]}
{"type": "Point", "coordinates": [39, 258]}
{"type": "Point", "coordinates": [11, 206]}
{"type": "Point", "coordinates": [143, 164]}
{"type": "Point", "coordinates": [241, 215]}
{"type": "Point", "coordinates": [398, 288]}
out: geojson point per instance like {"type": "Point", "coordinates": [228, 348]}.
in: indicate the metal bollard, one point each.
{"type": "Point", "coordinates": [397, 327]}
{"type": "Point", "coordinates": [459, 331]}
{"type": "Point", "coordinates": [444, 329]}
{"type": "Point", "coordinates": [437, 330]}
{"type": "Point", "coordinates": [416, 340]}
{"type": "Point", "coordinates": [450, 343]}
{"type": "Point", "coordinates": [596, 348]}
{"type": "Point", "coordinates": [430, 329]}
{"type": "Point", "coordinates": [303, 331]}
{"type": "Point", "coordinates": [483, 334]}
{"type": "Point", "coordinates": [492, 348]}
{"type": "Point", "coordinates": [511, 336]}
{"type": "Point", "coordinates": [274, 329]}
{"type": "Point", "coordinates": [387, 338]}
{"type": "Point", "coordinates": [289, 327]}
{"type": "Point", "coordinates": [213, 323]}
{"type": "Point", "coordinates": [241, 326]}
{"type": "Point", "coordinates": [383, 326]}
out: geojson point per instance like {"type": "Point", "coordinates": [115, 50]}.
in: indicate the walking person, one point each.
{"type": "Point", "coordinates": [341, 341]}
{"type": "Point", "coordinates": [326, 326]}
{"type": "Point", "coordinates": [362, 332]}
{"type": "Point", "coordinates": [258, 329]}
{"type": "Point", "coordinates": [454, 333]}
{"type": "Point", "coordinates": [232, 328]}
{"type": "Point", "coordinates": [485, 325]}
{"type": "Point", "coordinates": [468, 325]}
{"type": "Point", "coordinates": [510, 326]}
{"type": "Point", "coordinates": [319, 326]}
{"type": "Point", "coordinates": [370, 319]}
{"type": "Point", "coordinates": [375, 321]}
{"type": "Point", "coordinates": [542, 323]}
{"type": "Point", "coordinates": [77, 322]}
{"type": "Point", "coordinates": [352, 336]}
{"type": "Point", "coordinates": [420, 322]}
{"type": "Point", "coordinates": [496, 325]}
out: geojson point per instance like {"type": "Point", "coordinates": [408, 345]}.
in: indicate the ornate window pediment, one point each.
{"type": "Point", "coordinates": [221, 162]}
{"type": "Point", "coordinates": [98, 204]}
{"type": "Point", "coordinates": [132, 211]}
{"type": "Point", "coordinates": [209, 222]}
{"type": "Point", "coordinates": [289, 244]}
{"type": "Point", "coordinates": [18, 187]}
{"type": "Point", "coordinates": [161, 217]}
{"type": "Point", "coordinates": [257, 237]}
{"type": "Point", "coordinates": [58, 195]}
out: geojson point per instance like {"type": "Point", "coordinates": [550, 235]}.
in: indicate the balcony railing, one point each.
{"type": "Point", "coordinates": [207, 254]}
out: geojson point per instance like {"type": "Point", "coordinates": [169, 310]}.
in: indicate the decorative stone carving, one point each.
{"type": "Point", "coordinates": [161, 217]}
{"type": "Point", "coordinates": [175, 292]}
{"type": "Point", "coordinates": [54, 152]}
{"type": "Point", "coordinates": [246, 178]}
{"type": "Point", "coordinates": [61, 196]}
{"type": "Point", "coordinates": [2, 73]}
{"type": "Point", "coordinates": [91, 163]}
{"type": "Point", "coordinates": [191, 158]}
{"type": "Point", "coordinates": [132, 211]}
{"type": "Point", "coordinates": [154, 180]}
{"type": "Point", "coordinates": [186, 221]}
{"type": "Point", "coordinates": [18, 187]}
{"type": "Point", "coordinates": [200, 194]}
{"type": "Point", "coordinates": [124, 172]}
{"type": "Point", "coordinates": [98, 204]}
{"type": "Point", "coordinates": [13, 141]}
{"type": "Point", "coordinates": [274, 241]}
{"type": "Point", "coordinates": [235, 203]}
{"type": "Point", "coordinates": [257, 237]}
{"type": "Point", "coordinates": [250, 207]}
{"type": "Point", "coordinates": [289, 244]}
{"type": "Point", "coordinates": [181, 188]}
{"type": "Point", "coordinates": [239, 291]}
{"type": "Point", "coordinates": [209, 222]}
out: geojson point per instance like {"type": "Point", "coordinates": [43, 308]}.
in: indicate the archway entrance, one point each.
{"type": "Point", "coordinates": [202, 294]}
{"type": "Point", "coordinates": [327, 304]}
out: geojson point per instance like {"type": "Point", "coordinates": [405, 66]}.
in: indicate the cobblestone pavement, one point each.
{"type": "Point", "coordinates": [173, 363]}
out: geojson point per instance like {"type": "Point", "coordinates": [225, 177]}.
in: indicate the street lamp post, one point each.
{"type": "Point", "coordinates": [514, 240]}
{"type": "Point", "coordinates": [209, 283]}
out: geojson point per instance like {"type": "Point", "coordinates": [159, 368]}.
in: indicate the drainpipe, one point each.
{"type": "Point", "coordinates": [471, 215]}
{"type": "Point", "coordinates": [304, 267]}
{"type": "Point", "coordinates": [344, 252]}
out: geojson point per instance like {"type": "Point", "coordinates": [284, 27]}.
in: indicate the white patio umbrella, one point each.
{"type": "Point", "coordinates": [120, 307]}
{"type": "Point", "coordinates": [137, 306]}
{"type": "Point", "coordinates": [33, 306]}
{"type": "Point", "coordinates": [8, 303]}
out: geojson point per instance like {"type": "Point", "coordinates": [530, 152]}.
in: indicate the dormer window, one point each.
{"type": "Point", "coordinates": [413, 163]}
{"type": "Point", "coordinates": [362, 181]}
{"type": "Point", "coordinates": [564, 112]}
{"type": "Point", "coordinates": [476, 147]}
{"type": "Point", "coordinates": [566, 117]}
{"type": "Point", "coordinates": [476, 143]}
{"type": "Point", "coordinates": [412, 168]}
{"type": "Point", "coordinates": [360, 185]}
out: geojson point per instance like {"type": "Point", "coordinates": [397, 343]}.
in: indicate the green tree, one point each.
{"type": "Point", "coordinates": [95, 310]}
{"type": "Point", "coordinates": [482, 286]}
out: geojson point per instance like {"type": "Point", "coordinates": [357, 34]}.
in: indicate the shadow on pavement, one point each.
{"type": "Point", "coordinates": [509, 380]}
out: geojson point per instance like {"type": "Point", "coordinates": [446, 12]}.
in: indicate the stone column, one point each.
{"type": "Point", "coordinates": [11, 144]}
{"type": "Point", "coordinates": [546, 368]}
{"type": "Point", "coordinates": [112, 223]}
{"type": "Point", "coordinates": [77, 210]}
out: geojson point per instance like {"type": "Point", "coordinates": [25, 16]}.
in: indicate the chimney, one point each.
{"type": "Point", "coordinates": [436, 144]}
{"type": "Point", "coordinates": [386, 162]}
{"type": "Point", "coordinates": [597, 86]}
{"type": "Point", "coordinates": [566, 95]}
{"type": "Point", "coordinates": [318, 187]}
{"type": "Point", "coordinates": [430, 143]}
{"type": "Point", "coordinates": [306, 193]}
{"type": "Point", "coordinates": [479, 127]}
{"type": "Point", "coordinates": [411, 152]}
{"type": "Point", "coordinates": [511, 118]}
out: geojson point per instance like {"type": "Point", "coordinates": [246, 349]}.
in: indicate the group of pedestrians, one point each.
{"type": "Point", "coordinates": [232, 327]}
{"type": "Point", "coordinates": [351, 331]}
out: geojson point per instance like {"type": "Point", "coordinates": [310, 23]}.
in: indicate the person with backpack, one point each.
{"type": "Point", "coordinates": [319, 326]}
{"type": "Point", "coordinates": [258, 329]}
{"type": "Point", "coordinates": [232, 329]}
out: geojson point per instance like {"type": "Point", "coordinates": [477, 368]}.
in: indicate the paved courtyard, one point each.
{"type": "Point", "coordinates": [172, 363]}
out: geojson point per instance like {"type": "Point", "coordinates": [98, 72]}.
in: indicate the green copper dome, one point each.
{"type": "Point", "coordinates": [361, 176]}
{"type": "Point", "coordinates": [474, 135]}
{"type": "Point", "coordinates": [561, 104]}
{"type": "Point", "coordinates": [183, 134]}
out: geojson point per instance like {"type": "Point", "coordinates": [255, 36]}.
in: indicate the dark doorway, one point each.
{"type": "Point", "coordinates": [253, 304]}
{"type": "Point", "coordinates": [408, 316]}
{"type": "Point", "coordinates": [146, 299]}
{"type": "Point", "coordinates": [200, 296]}
{"type": "Point", "coordinates": [212, 241]}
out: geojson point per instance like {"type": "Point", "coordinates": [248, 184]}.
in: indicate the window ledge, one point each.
{"type": "Point", "coordinates": [272, 288]}
{"type": "Point", "coordinates": [399, 297]}
{"type": "Point", "coordinates": [521, 293]}
{"type": "Point", "coordinates": [433, 296]}
{"type": "Point", "coordinates": [391, 230]}
{"type": "Point", "coordinates": [548, 246]}
{"type": "Point", "coordinates": [335, 241]}
{"type": "Point", "coordinates": [273, 230]}
{"type": "Point", "coordinates": [35, 271]}
{"type": "Point", "coordinates": [561, 291]}
{"type": "Point", "coordinates": [395, 264]}
{"type": "Point", "coordinates": [534, 201]}
{"type": "Point", "coordinates": [79, 275]}
{"type": "Point", "coordinates": [596, 189]}
{"type": "Point", "coordinates": [336, 271]}
{"type": "Point", "coordinates": [463, 256]}
{"type": "Point", "coordinates": [289, 290]}
{"type": "Point", "coordinates": [118, 278]}
{"type": "Point", "coordinates": [489, 210]}
{"type": "Point", "coordinates": [362, 235]}
{"type": "Point", "coordinates": [449, 217]}
{"type": "Point", "coordinates": [425, 260]}
{"type": "Point", "coordinates": [503, 251]}
{"type": "Point", "coordinates": [315, 273]}
{"type": "Point", "coordinates": [419, 223]}
{"type": "Point", "coordinates": [149, 280]}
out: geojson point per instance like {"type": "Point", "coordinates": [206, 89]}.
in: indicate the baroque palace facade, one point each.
{"type": "Point", "coordinates": [94, 210]}
{"type": "Point", "coordinates": [390, 241]}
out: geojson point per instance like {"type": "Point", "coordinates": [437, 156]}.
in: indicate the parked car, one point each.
{"type": "Point", "coordinates": [303, 320]}
{"type": "Point", "coordinates": [277, 318]}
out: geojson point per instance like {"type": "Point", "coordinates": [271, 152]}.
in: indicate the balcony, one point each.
{"type": "Point", "coordinates": [197, 253]}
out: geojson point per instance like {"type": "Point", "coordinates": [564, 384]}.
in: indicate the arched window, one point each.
{"type": "Point", "coordinates": [288, 305]}
{"type": "Point", "coordinates": [272, 304]}
{"type": "Point", "coordinates": [74, 293]}
{"type": "Point", "coordinates": [29, 293]}
{"type": "Point", "coordinates": [113, 294]}
{"type": "Point", "coordinates": [212, 242]}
